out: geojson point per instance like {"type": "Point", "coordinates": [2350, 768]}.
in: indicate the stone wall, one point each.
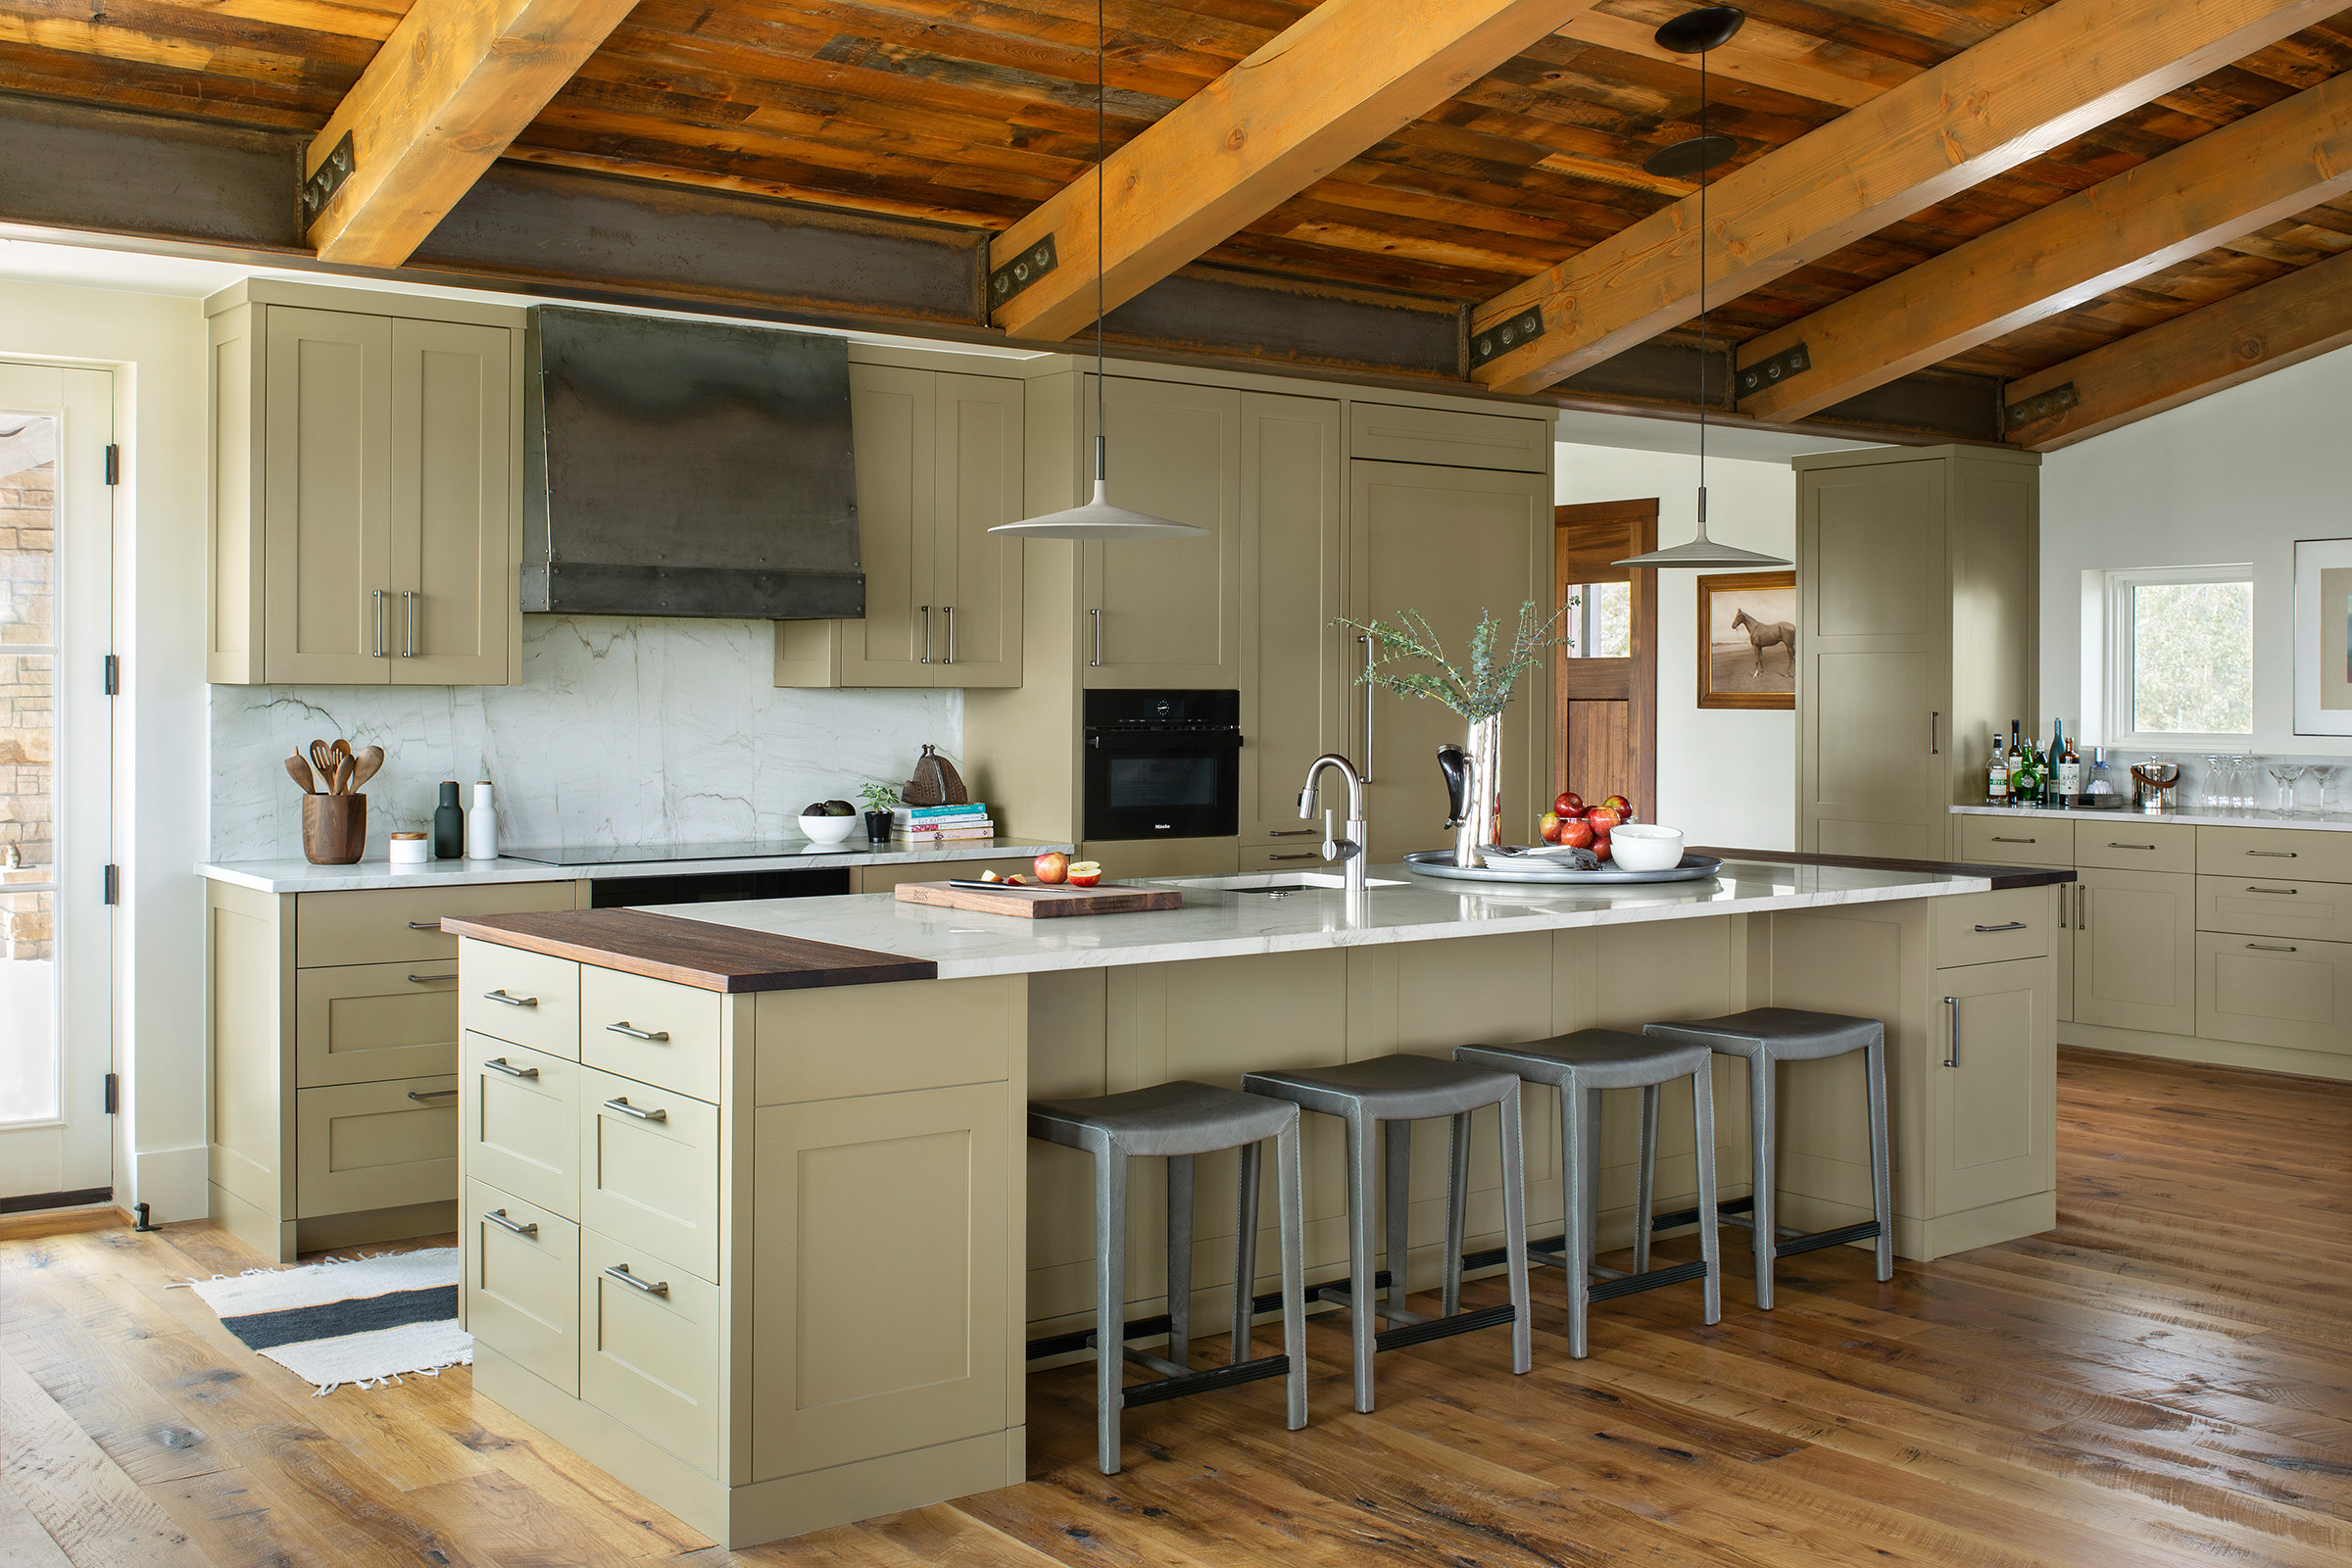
{"type": "Point", "coordinates": [28, 709]}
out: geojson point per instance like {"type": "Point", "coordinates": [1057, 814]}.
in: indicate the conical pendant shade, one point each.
{"type": "Point", "coordinates": [1100, 519]}
{"type": "Point", "coordinates": [1703, 550]}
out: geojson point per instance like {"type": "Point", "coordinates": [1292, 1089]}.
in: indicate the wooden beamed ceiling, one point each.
{"type": "Point", "coordinates": [1990, 188]}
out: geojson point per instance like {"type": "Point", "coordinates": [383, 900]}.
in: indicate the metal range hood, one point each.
{"type": "Point", "coordinates": [687, 469]}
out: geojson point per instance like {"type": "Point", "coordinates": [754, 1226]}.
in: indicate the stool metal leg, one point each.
{"type": "Point", "coordinates": [1645, 1178]}
{"type": "Point", "coordinates": [1702, 1108]}
{"type": "Point", "coordinates": [1397, 1139]}
{"type": "Point", "coordinates": [1288, 1186]}
{"type": "Point", "coordinates": [1457, 1210]}
{"type": "Point", "coordinates": [1881, 1199]}
{"type": "Point", "coordinates": [1180, 1260]}
{"type": "Point", "coordinates": [1514, 1227]}
{"type": "Point", "coordinates": [1363, 1135]}
{"type": "Point", "coordinates": [1244, 1254]}
{"type": "Point", "coordinates": [1111, 1300]}
{"type": "Point", "coordinates": [1576, 1210]}
{"type": "Point", "coordinates": [1763, 1131]}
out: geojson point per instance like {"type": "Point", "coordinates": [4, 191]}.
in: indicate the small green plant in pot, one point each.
{"type": "Point", "coordinates": [879, 800]}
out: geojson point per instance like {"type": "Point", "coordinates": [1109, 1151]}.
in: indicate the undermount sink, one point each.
{"type": "Point", "coordinates": [1281, 882]}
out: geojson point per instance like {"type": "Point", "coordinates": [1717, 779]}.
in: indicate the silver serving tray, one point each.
{"type": "Point", "coordinates": [1440, 862]}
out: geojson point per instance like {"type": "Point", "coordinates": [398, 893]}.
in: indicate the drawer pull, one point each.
{"type": "Point", "coordinates": [426, 1097]}
{"type": "Point", "coordinates": [429, 979]}
{"type": "Point", "coordinates": [424, 925]}
{"type": "Point", "coordinates": [2013, 925]}
{"type": "Point", "coordinates": [498, 1217]}
{"type": "Point", "coordinates": [500, 995]}
{"type": "Point", "coordinates": [622, 1028]}
{"type": "Point", "coordinates": [1309, 856]}
{"type": "Point", "coordinates": [1290, 832]}
{"type": "Point", "coordinates": [1951, 1055]}
{"type": "Point", "coordinates": [1997, 839]}
{"type": "Point", "coordinates": [2275, 855]}
{"type": "Point", "coordinates": [621, 1102]}
{"type": "Point", "coordinates": [621, 1272]}
{"type": "Point", "coordinates": [2111, 843]}
{"type": "Point", "coordinates": [501, 1064]}
{"type": "Point", "coordinates": [2269, 947]}
{"type": "Point", "coordinates": [2289, 892]}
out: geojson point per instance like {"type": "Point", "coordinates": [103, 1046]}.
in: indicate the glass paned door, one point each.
{"type": "Point", "coordinates": [56, 546]}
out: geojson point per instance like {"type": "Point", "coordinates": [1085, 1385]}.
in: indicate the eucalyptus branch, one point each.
{"type": "Point", "coordinates": [1480, 690]}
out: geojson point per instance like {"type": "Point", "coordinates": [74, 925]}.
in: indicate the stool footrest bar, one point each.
{"type": "Point", "coordinates": [1205, 1380]}
{"type": "Point", "coordinates": [1867, 1230]}
{"type": "Point", "coordinates": [1438, 1328]}
{"type": "Point", "coordinates": [1342, 1296]}
{"type": "Point", "coordinates": [1631, 1284]}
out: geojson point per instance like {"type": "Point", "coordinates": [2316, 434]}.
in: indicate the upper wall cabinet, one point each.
{"type": "Point", "coordinates": [365, 498]}
{"type": "Point", "coordinates": [1394, 432]}
{"type": "Point", "coordinates": [939, 464]}
{"type": "Point", "coordinates": [1165, 611]}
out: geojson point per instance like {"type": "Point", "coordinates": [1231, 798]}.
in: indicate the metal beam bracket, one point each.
{"type": "Point", "coordinates": [1506, 335]}
{"type": "Point", "coordinates": [2041, 406]}
{"type": "Point", "coordinates": [1023, 271]}
{"type": "Point", "coordinates": [329, 178]}
{"type": "Point", "coordinates": [1754, 379]}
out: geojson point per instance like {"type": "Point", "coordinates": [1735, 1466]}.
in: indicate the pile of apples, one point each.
{"type": "Point", "coordinates": [1578, 826]}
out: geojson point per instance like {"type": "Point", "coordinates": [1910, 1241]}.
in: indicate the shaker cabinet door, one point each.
{"type": "Point", "coordinates": [326, 497]}
{"type": "Point", "coordinates": [2134, 950]}
{"type": "Point", "coordinates": [1167, 611]}
{"type": "Point", "coordinates": [979, 478]}
{"type": "Point", "coordinates": [1991, 1109]}
{"type": "Point", "coordinates": [1294, 583]}
{"type": "Point", "coordinates": [455, 548]}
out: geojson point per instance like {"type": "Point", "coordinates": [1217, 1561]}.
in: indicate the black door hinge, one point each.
{"type": "Point", "coordinates": [114, 463]}
{"type": "Point", "coordinates": [114, 675]}
{"type": "Point", "coordinates": [113, 1095]}
{"type": "Point", "coordinates": [113, 884]}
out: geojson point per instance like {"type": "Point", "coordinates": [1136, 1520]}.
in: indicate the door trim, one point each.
{"type": "Point", "coordinates": [1643, 682]}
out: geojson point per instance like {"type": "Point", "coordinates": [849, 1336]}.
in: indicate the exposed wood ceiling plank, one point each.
{"type": "Point", "coordinates": [2018, 94]}
{"type": "Point", "coordinates": [451, 86]}
{"type": "Point", "coordinates": [1323, 90]}
{"type": "Point", "coordinates": [2266, 328]}
{"type": "Point", "coordinates": [1764, 55]}
{"type": "Point", "coordinates": [2219, 188]}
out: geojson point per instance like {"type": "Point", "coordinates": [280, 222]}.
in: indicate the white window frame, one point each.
{"type": "Point", "coordinates": [2119, 650]}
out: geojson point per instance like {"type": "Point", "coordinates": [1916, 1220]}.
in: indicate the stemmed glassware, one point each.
{"type": "Point", "coordinates": [2325, 775]}
{"type": "Point", "coordinates": [2287, 775]}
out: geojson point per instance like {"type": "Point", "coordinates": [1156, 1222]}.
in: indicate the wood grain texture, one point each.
{"type": "Point", "coordinates": [1605, 711]}
{"type": "Point", "coordinates": [1042, 903]}
{"type": "Point", "coordinates": [691, 953]}
{"type": "Point", "coordinates": [2003, 877]}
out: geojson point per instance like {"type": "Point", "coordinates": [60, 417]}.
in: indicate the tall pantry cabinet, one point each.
{"type": "Point", "coordinates": [1917, 586]}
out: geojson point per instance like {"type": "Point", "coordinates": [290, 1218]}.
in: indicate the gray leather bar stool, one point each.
{"type": "Point", "coordinates": [1400, 1091]}
{"type": "Point", "coordinates": [1580, 1066]}
{"type": "Point", "coordinates": [1176, 1121]}
{"type": "Point", "coordinates": [1766, 1037]}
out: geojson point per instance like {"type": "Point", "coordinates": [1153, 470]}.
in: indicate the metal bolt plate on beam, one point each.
{"type": "Point", "coordinates": [2041, 406]}
{"type": "Point", "coordinates": [329, 178]}
{"type": "Point", "coordinates": [1754, 379]}
{"type": "Point", "coordinates": [1505, 336]}
{"type": "Point", "coordinates": [1023, 271]}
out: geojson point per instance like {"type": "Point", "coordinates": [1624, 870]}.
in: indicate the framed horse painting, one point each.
{"type": "Point", "coordinates": [1747, 640]}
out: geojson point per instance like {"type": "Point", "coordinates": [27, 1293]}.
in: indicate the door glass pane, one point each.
{"type": "Point", "coordinates": [28, 1039]}
{"type": "Point", "coordinates": [1601, 624]}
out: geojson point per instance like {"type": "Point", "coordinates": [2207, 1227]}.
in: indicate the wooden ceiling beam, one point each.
{"type": "Point", "coordinates": [1329, 86]}
{"type": "Point", "coordinates": [454, 83]}
{"type": "Point", "coordinates": [2269, 328]}
{"type": "Point", "coordinates": [1762, 55]}
{"type": "Point", "coordinates": [2026, 89]}
{"type": "Point", "coordinates": [2254, 172]}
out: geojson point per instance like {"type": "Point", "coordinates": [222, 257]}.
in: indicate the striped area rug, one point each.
{"type": "Point", "coordinates": [364, 1320]}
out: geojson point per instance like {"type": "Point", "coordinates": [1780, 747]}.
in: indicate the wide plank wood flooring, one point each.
{"type": "Point", "coordinates": [2164, 1381]}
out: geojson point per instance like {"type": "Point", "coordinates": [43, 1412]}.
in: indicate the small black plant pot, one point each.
{"type": "Point", "coordinates": [877, 827]}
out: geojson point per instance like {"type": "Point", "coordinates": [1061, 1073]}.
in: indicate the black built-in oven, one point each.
{"type": "Point", "coordinates": [1163, 764]}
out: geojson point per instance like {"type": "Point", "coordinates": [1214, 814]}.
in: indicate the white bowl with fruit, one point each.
{"type": "Point", "coordinates": [828, 821]}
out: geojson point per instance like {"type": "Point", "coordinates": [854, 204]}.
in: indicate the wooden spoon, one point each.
{"type": "Point", "coordinates": [343, 769]}
{"type": "Point", "coordinates": [365, 763]}
{"type": "Point", "coordinates": [300, 773]}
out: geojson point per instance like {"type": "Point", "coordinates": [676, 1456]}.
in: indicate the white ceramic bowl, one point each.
{"type": "Point", "coordinates": [828, 829]}
{"type": "Point", "coordinates": [1645, 847]}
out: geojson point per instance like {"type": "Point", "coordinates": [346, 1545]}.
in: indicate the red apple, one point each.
{"type": "Point", "coordinates": [1577, 834]}
{"type": "Point", "coordinates": [1621, 806]}
{"type": "Point", "coordinates": [1569, 804]}
{"type": "Point", "coordinates": [1051, 866]}
{"type": "Point", "coordinates": [1604, 820]}
{"type": "Point", "coordinates": [1549, 828]}
{"type": "Point", "coordinates": [1600, 846]}
{"type": "Point", "coordinates": [1085, 873]}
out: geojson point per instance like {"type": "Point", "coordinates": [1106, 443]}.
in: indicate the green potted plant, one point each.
{"type": "Point", "coordinates": [880, 801]}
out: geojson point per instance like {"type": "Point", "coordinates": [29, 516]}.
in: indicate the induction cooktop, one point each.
{"type": "Point", "coordinates": [649, 853]}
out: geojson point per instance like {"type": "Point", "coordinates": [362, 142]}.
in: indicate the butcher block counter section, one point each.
{"type": "Point", "coordinates": [688, 952]}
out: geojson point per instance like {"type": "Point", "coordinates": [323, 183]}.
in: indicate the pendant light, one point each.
{"type": "Point", "coordinates": [1694, 33]}
{"type": "Point", "coordinates": [1098, 519]}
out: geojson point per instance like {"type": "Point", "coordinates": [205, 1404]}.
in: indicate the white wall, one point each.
{"type": "Point", "coordinates": [2236, 476]}
{"type": "Point", "coordinates": [1725, 777]}
{"type": "Point", "coordinates": [154, 345]}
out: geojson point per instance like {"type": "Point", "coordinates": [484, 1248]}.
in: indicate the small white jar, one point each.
{"type": "Point", "coordinates": [411, 849]}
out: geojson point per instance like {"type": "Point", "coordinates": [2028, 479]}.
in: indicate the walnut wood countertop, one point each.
{"type": "Point", "coordinates": [690, 953]}
{"type": "Point", "coordinates": [2000, 877]}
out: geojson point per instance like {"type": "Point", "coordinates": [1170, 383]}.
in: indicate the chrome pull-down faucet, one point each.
{"type": "Point", "coordinates": [1349, 851]}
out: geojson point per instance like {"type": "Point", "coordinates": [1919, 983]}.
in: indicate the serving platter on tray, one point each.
{"type": "Point", "coordinates": [1532, 868]}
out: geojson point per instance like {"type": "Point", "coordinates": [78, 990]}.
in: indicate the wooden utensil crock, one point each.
{"type": "Point", "coordinates": [334, 828]}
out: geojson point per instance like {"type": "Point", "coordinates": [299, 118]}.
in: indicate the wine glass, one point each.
{"type": "Point", "coordinates": [2214, 796]}
{"type": "Point", "coordinates": [2287, 775]}
{"type": "Point", "coordinates": [2324, 774]}
{"type": "Point", "coordinates": [2247, 774]}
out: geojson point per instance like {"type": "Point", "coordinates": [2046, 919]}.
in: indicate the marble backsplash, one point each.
{"type": "Point", "coordinates": [621, 731]}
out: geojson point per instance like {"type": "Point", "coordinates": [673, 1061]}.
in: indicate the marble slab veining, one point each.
{"type": "Point", "coordinates": [2340, 822]}
{"type": "Point", "coordinates": [293, 874]}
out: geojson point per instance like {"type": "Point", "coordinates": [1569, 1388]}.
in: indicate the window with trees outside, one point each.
{"type": "Point", "coordinates": [2180, 655]}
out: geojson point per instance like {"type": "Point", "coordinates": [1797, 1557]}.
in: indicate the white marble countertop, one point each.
{"type": "Point", "coordinates": [300, 876]}
{"type": "Point", "coordinates": [2338, 822]}
{"type": "Point", "coordinates": [1219, 923]}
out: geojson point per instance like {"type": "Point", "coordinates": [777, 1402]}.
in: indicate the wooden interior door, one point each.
{"type": "Point", "coordinates": [1605, 724]}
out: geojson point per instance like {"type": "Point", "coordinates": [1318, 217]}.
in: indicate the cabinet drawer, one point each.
{"type": "Point", "coordinates": [520, 1122]}
{"type": "Point", "coordinates": [2271, 993]}
{"type": "Point", "coordinates": [682, 1053]}
{"type": "Point", "coordinates": [375, 1145]}
{"type": "Point", "coordinates": [2268, 906]}
{"type": "Point", "coordinates": [1292, 854]}
{"type": "Point", "coordinates": [1992, 927]}
{"type": "Point", "coordinates": [523, 1283]}
{"type": "Point", "coordinates": [649, 1347]}
{"type": "Point", "coordinates": [648, 1169]}
{"type": "Point", "coordinates": [2307, 855]}
{"type": "Point", "coordinates": [1393, 433]}
{"type": "Point", "coordinates": [398, 925]}
{"type": "Point", "coordinates": [526, 998]}
{"type": "Point", "coordinates": [367, 1022]}
{"type": "Point", "coordinates": [2136, 845]}
{"type": "Point", "coordinates": [2017, 840]}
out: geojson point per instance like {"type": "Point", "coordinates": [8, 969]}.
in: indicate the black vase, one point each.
{"type": "Point", "coordinates": [877, 827]}
{"type": "Point", "coordinates": [449, 825]}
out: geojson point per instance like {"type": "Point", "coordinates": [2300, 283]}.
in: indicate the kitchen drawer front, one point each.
{"type": "Point", "coordinates": [1393, 433]}
{"type": "Point", "coordinates": [401, 925]}
{"type": "Point", "coordinates": [526, 998]}
{"type": "Point", "coordinates": [2136, 844]}
{"type": "Point", "coordinates": [648, 1169]}
{"type": "Point", "coordinates": [520, 1122]}
{"type": "Point", "coordinates": [1291, 855]}
{"type": "Point", "coordinates": [2266, 906]}
{"type": "Point", "coordinates": [683, 1054]}
{"type": "Point", "coordinates": [2271, 993]}
{"type": "Point", "coordinates": [2307, 855]}
{"type": "Point", "coordinates": [367, 1022]}
{"type": "Point", "coordinates": [2017, 840]}
{"type": "Point", "coordinates": [523, 1283]}
{"type": "Point", "coordinates": [1992, 927]}
{"type": "Point", "coordinates": [649, 1358]}
{"type": "Point", "coordinates": [375, 1145]}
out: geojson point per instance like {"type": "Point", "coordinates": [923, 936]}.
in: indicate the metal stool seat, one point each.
{"type": "Point", "coordinates": [1176, 1121]}
{"type": "Point", "coordinates": [1765, 1037]}
{"type": "Point", "coordinates": [1404, 1090]}
{"type": "Point", "coordinates": [1580, 1066]}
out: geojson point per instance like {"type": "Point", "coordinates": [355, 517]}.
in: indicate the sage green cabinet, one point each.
{"type": "Point", "coordinates": [1294, 696]}
{"type": "Point", "coordinates": [2136, 949]}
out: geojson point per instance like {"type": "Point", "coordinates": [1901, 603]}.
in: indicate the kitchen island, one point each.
{"type": "Point", "coordinates": [750, 1218]}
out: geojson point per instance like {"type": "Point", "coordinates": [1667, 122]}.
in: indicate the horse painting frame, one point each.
{"type": "Point", "coordinates": [1762, 675]}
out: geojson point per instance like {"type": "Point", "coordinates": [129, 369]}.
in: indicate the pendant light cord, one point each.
{"type": "Point", "coordinates": [1101, 173]}
{"type": "Point", "coordinates": [1702, 291]}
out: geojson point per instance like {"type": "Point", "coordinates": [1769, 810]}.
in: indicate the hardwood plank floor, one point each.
{"type": "Point", "coordinates": [2164, 1381]}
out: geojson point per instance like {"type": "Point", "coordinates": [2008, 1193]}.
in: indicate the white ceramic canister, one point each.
{"type": "Point", "coordinates": [481, 826]}
{"type": "Point", "coordinates": [411, 849]}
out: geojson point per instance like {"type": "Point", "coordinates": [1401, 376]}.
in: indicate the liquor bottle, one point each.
{"type": "Point", "coordinates": [1996, 776]}
{"type": "Point", "coordinates": [2069, 773]}
{"type": "Point", "coordinates": [2025, 776]}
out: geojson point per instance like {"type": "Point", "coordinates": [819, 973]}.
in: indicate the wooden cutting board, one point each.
{"type": "Point", "coordinates": [1032, 901]}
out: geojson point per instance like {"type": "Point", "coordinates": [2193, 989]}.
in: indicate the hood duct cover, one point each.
{"type": "Point", "coordinates": [687, 469]}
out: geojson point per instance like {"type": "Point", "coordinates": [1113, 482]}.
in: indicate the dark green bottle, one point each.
{"type": "Point", "coordinates": [449, 825]}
